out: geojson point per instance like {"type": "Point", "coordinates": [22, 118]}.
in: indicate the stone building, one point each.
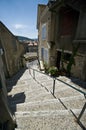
{"type": "Point", "coordinates": [12, 51]}
{"type": "Point", "coordinates": [42, 26]}
{"type": "Point", "coordinates": [6, 118]}
{"type": "Point", "coordinates": [32, 46]}
{"type": "Point", "coordinates": [61, 27]}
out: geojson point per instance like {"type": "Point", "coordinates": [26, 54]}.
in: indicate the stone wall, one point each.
{"type": "Point", "coordinates": [79, 69]}
{"type": "Point", "coordinates": [43, 43]}
{"type": "Point", "coordinates": [5, 113]}
{"type": "Point", "coordinates": [59, 38]}
{"type": "Point", "coordinates": [13, 51]}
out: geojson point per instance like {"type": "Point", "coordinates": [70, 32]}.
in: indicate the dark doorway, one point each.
{"type": "Point", "coordinates": [58, 59]}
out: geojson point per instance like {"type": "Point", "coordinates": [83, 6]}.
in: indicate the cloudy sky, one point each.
{"type": "Point", "coordinates": [20, 16]}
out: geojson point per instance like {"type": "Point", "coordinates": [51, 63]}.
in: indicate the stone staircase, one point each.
{"type": "Point", "coordinates": [35, 107]}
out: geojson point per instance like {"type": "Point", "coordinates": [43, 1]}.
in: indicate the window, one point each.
{"type": "Point", "coordinates": [68, 21]}
{"type": "Point", "coordinates": [44, 55]}
{"type": "Point", "coordinates": [43, 31]}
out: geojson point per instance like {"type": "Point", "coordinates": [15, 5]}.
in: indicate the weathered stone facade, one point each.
{"type": "Point", "coordinates": [45, 25]}
{"type": "Point", "coordinates": [44, 20]}
{"type": "Point", "coordinates": [6, 117]}
{"type": "Point", "coordinates": [12, 51]}
{"type": "Point", "coordinates": [65, 28]}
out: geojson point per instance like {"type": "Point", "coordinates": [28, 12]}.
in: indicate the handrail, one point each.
{"type": "Point", "coordinates": [54, 79]}
{"type": "Point", "coordinates": [73, 87]}
{"type": "Point", "coordinates": [81, 91]}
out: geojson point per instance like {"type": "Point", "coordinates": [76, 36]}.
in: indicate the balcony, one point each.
{"type": "Point", "coordinates": [51, 2]}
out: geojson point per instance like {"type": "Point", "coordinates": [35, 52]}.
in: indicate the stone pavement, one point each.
{"type": "Point", "coordinates": [36, 108]}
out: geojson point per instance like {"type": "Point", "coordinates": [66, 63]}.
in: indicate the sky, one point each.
{"type": "Point", "coordinates": [20, 16]}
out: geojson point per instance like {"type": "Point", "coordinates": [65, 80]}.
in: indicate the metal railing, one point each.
{"type": "Point", "coordinates": [54, 83]}
{"type": "Point", "coordinates": [54, 80]}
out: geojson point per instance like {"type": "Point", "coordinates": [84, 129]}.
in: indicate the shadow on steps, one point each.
{"type": "Point", "coordinates": [16, 99]}
{"type": "Point", "coordinates": [13, 80]}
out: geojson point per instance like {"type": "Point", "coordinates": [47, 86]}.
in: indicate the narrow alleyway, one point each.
{"type": "Point", "coordinates": [35, 107]}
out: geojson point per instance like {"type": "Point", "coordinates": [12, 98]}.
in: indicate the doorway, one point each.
{"type": "Point", "coordinates": [58, 59]}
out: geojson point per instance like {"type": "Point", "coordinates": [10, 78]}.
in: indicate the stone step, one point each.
{"type": "Point", "coordinates": [27, 82]}
{"type": "Point", "coordinates": [58, 85]}
{"type": "Point", "coordinates": [18, 85]}
{"type": "Point", "coordinates": [58, 88]}
{"type": "Point", "coordinates": [21, 81]}
{"type": "Point", "coordinates": [39, 76]}
{"type": "Point", "coordinates": [19, 89]}
{"type": "Point", "coordinates": [66, 93]}
{"type": "Point", "coordinates": [75, 102]}
{"type": "Point", "coordinates": [61, 90]}
{"type": "Point", "coordinates": [48, 82]}
{"type": "Point", "coordinates": [37, 109]}
{"type": "Point", "coordinates": [17, 129]}
{"type": "Point", "coordinates": [29, 96]}
{"type": "Point", "coordinates": [52, 104]}
{"type": "Point", "coordinates": [28, 86]}
{"type": "Point", "coordinates": [39, 97]}
{"type": "Point", "coordinates": [33, 87]}
{"type": "Point", "coordinates": [44, 113]}
{"type": "Point", "coordinates": [83, 117]}
{"type": "Point", "coordinates": [77, 112]}
{"type": "Point", "coordinates": [46, 120]}
{"type": "Point", "coordinates": [17, 98]}
{"type": "Point", "coordinates": [24, 88]}
{"type": "Point", "coordinates": [36, 91]}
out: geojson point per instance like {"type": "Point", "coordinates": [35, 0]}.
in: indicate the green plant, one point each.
{"type": "Point", "coordinates": [72, 59]}
{"type": "Point", "coordinates": [53, 71]}
{"type": "Point", "coordinates": [46, 67]}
